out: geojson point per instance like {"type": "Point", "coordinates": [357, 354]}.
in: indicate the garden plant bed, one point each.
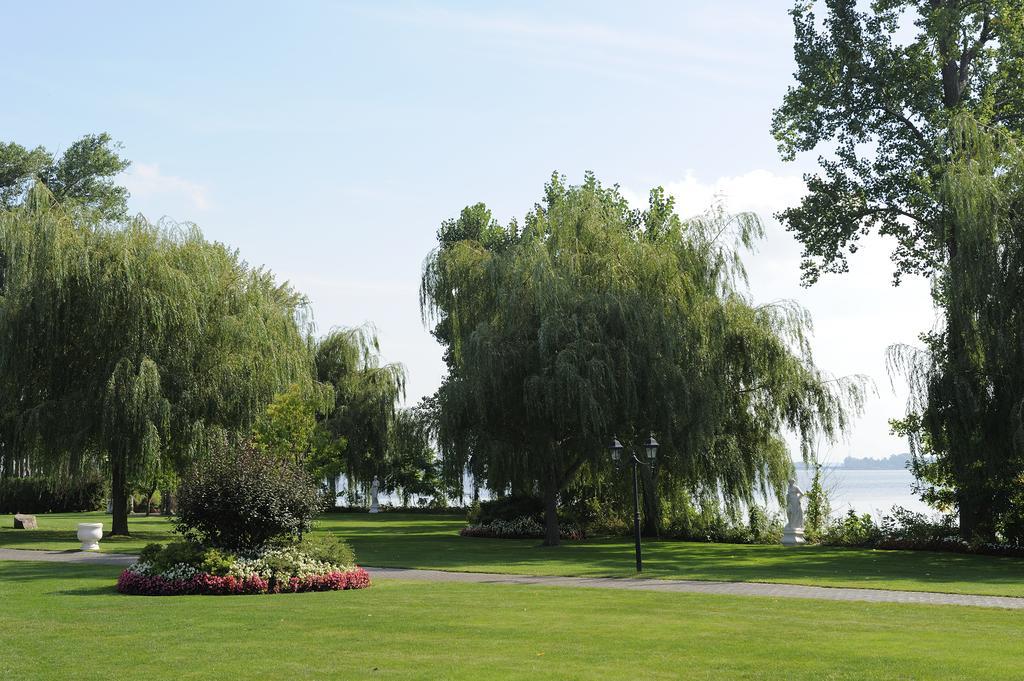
{"type": "Point", "coordinates": [187, 568]}
{"type": "Point", "coordinates": [205, 584]}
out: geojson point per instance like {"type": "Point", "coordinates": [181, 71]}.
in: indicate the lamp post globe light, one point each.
{"type": "Point", "coordinates": [650, 447]}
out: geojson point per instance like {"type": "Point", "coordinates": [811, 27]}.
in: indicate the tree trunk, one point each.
{"type": "Point", "coordinates": [552, 535]}
{"type": "Point", "coordinates": [332, 483]}
{"type": "Point", "coordinates": [652, 504]}
{"type": "Point", "coordinates": [974, 506]}
{"type": "Point", "coordinates": [118, 497]}
{"type": "Point", "coordinates": [149, 498]}
{"type": "Point", "coordinates": [966, 513]}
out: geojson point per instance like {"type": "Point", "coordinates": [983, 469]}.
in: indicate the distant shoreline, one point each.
{"type": "Point", "coordinates": [892, 463]}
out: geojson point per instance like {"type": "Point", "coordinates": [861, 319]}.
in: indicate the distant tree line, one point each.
{"type": "Point", "coordinates": [893, 462]}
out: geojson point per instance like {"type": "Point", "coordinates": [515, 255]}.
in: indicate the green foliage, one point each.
{"type": "Point", "coordinates": [365, 435]}
{"type": "Point", "coordinates": [851, 530]}
{"type": "Point", "coordinates": [883, 102]}
{"type": "Point", "coordinates": [175, 553]}
{"type": "Point", "coordinates": [900, 529]}
{"type": "Point", "coordinates": [926, 134]}
{"type": "Point", "coordinates": [164, 557]}
{"type": "Point", "coordinates": [326, 548]}
{"type": "Point", "coordinates": [240, 499]}
{"type": "Point", "coordinates": [711, 523]}
{"type": "Point", "coordinates": [818, 507]}
{"type": "Point", "coordinates": [82, 176]}
{"type": "Point", "coordinates": [593, 319]}
{"type": "Point", "coordinates": [50, 495]}
{"type": "Point", "coordinates": [129, 346]}
{"type": "Point", "coordinates": [507, 508]}
{"type": "Point", "coordinates": [288, 427]}
{"type": "Point", "coordinates": [600, 511]}
{"type": "Point", "coordinates": [411, 466]}
{"type": "Point", "coordinates": [149, 552]}
{"type": "Point", "coordinates": [967, 383]}
{"type": "Point", "coordinates": [216, 562]}
{"type": "Point", "coordinates": [365, 397]}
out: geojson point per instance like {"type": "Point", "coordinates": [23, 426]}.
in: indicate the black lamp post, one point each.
{"type": "Point", "coordinates": [651, 450]}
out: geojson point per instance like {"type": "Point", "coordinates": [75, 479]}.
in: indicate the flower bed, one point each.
{"type": "Point", "coordinates": [188, 568]}
{"type": "Point", "coordinates": [524, 527]}
{"type": "Point", "coordinates": [138, 583]}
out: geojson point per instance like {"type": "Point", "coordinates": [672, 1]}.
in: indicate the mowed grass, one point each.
{"type": "Point", "coordinates": [65, 621]}
{"type": "Point", "coordinates": [428, 541]}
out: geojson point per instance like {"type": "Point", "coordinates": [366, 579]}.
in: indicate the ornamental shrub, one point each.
{"type": "Point", "coordinates": [819, 508]}
{"type": "Point", "coordinates": [508, 508]}
{"type": "Point", "coordinates": [175, 553]}
{"type": "Point", "coordinates": [851, 530]}
{"type": "Point", "coordinates": [524, 527]}
{"type": "Point", "coordinates": [39, 494]}
{"type": "Point", "coordinates": [326, 548]}
{"type": "Point", "coordinates": [241, 499]}
{"type": "Point", "coordinates": [710, 523]}
{"type": "Point", "coordinates": [150, 552]}
{"type": "Point", "coordinates": [216, 563]}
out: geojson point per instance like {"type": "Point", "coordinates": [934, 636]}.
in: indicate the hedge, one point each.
{"type": "Point", "coordinates": [44, 495]}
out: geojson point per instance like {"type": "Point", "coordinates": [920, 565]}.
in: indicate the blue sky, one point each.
{"type": "Point", "coordinates": [327, 140]}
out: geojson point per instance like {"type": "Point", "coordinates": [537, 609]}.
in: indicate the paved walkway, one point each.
{"type": "Point", "coordinates": [633, 584]}
{"type": "Point", "coordinates": [72, 556]}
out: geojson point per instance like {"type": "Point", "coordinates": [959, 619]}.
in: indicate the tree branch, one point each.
{"type": "Point", "coordinates": [902, 118]}
{"type": "Point", "coordinates": [896, 210]}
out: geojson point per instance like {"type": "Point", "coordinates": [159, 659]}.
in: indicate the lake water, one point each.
{"type": "Point", "coordinates": [866, 491]}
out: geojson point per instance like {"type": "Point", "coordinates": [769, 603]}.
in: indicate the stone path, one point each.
{"type": "Point", "coordinates": [634, 584]}
{"type": "Point", "coordinates": [72, 556]}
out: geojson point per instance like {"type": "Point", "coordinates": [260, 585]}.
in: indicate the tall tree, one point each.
{"type": "Point", "coordinates": [83, 175]}
{"type": "Point", "coordinates": [882, 104]}
{"type": "Point", "coordinates": [966, 426]}
{"type": "Point", "coordinates": [132, 342]}
{"type": "Point", "coordinates": [884, 98]}
{"type": "Point", "coordinates": [412, 465]}
{"type": "Point", "coordinates": [366, 397]}
{"type": "Point", "coordinates": [593, 319]}
{"type": "Point", "coordinates": [288, 428]}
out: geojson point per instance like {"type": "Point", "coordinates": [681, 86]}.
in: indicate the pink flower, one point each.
{"type": "Point", "coordinates": [206, 584]}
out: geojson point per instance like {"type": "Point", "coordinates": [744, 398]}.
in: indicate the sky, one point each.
{"type": "Point", "coordinates": [328, 140]}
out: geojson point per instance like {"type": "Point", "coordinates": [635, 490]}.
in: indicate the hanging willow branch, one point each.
{"type": "Point", "coordinates": [593, 319]}
{"type": "Point", "coordinates": [966, 410]}
{"type": "Point", "coordinates": [130, 342]}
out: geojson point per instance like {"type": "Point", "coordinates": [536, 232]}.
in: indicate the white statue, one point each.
{"type": "Point", "coordinates": [374, 488]}
{"type": "Point", "coordinates": [793, 533]}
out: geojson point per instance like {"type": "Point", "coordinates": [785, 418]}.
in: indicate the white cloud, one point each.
{"type": "Point", "coordinates": [759, 191]}
{"type": "Point", "coordinates": [145, 182]}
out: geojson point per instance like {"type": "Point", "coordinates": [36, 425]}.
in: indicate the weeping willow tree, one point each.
{"type": "Point", "coordinates": [592, 319]}
{"type": "Point", "coordinates": [131, 343]}
{"type": "Point", "coordinates": [366, 395]}
{"type": "Point", "coordinates": [966, 418]}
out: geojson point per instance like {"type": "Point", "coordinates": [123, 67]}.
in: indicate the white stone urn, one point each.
{"type": "Point", "coordinates": [90, 534]}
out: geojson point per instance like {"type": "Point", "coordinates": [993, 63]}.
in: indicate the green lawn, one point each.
{"type": "Point", "coordinates": [66, 621]}
{"type": "Point", "coordinates": [423, 541]}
